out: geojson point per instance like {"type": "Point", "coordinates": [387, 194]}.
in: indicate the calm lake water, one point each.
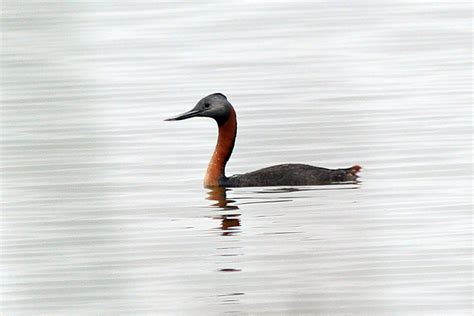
{"type": "Point", "coordinates": [103, 210]}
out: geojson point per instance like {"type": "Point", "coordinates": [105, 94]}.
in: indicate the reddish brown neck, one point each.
{"type": "Point", "coordinates": [222, 152]}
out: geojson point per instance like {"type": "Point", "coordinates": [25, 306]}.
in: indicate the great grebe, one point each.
{"type": "Point", "coordinates": [217, 106]}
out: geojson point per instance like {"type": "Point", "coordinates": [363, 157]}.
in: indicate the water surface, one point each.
{"type": "Point", "coordinates": [103, 207]}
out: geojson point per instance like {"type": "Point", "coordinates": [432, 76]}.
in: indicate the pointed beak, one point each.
{"type": "Point", "coordinates": [184, 116]}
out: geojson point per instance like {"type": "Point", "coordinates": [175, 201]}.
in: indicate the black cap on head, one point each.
{"type": "Point", "coordinates": [219, 94]}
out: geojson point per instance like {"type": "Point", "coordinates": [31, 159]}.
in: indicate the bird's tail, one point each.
{"type": "Point", "coordinates": [351, 173]}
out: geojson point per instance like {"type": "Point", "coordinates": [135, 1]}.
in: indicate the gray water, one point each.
{"type": "Point", "coordinates": [103, 210]}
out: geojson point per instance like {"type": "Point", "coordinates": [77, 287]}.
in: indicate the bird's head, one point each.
{"type": "Point", "coordinates": [214, 106]}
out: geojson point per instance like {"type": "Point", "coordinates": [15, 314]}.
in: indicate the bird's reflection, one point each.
{"type": "Point", "coordinates": [227, 213]}
{"type": "Point", "coordinates": [229, 250]}
{"type": "Point", "coordinates": [220, 195]}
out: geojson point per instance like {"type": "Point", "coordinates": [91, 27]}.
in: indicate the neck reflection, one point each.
{"type": "Point", "coordinates": [226, 212]}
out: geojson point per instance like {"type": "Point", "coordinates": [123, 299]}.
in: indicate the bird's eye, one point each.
{"type": "Point", "coordinates": [206, 105]}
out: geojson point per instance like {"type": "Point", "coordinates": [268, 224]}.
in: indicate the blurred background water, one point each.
{"type": "Point", "coordinates": [103, 210]}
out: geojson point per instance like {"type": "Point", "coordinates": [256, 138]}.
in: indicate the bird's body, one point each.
{"type": "Point", "coordinates": [291, 174]}
{"type": "Point", "coordinates": [217, 107]}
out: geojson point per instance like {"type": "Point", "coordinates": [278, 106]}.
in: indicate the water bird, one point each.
{"type": "Point", "coordinates": [217, 107]}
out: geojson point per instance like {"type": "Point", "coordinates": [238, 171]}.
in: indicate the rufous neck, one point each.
{"type": "Point", "coordinates": [225, 145]}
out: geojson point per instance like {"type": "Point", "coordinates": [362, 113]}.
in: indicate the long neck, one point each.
{"type": "Point", "coordinates": [223, 150]}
